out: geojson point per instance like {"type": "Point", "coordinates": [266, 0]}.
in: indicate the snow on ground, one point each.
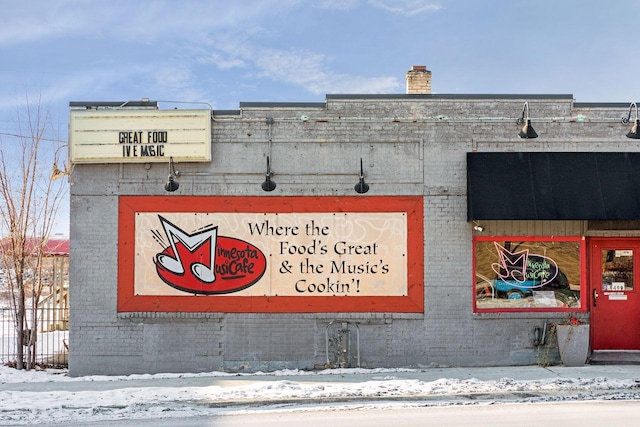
{"type": "Point", "coordinates": [51, 396]}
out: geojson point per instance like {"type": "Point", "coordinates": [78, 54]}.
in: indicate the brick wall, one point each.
{"type": "Point", "coordinates": [410, 145]}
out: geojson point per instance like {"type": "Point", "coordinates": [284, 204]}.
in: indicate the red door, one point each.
{"type": "Point", "coordinates": [615, 305]}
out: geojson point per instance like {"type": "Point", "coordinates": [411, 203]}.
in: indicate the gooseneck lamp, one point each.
{"type": "Point", "coordinates": [633, 133]}
{"type": "Point", "coordinates": [361, 187]}
{"type": "Point", "coordinates": [527, 131]}
{"type": "Point", "coordinates": [172, 185]}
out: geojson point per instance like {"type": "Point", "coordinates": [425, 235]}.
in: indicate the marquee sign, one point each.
{"type": "Point", "coordinates": [271, 254]}
{"type": "Point", "coordinates": [139, 136]}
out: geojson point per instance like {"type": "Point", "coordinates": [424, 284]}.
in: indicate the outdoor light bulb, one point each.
{"type": "Point", "coordinates": [361, 187]}
{"type": "Point", "coordinates": [268, 185]}
{"type": "Point", "coordinates": [171, 185]}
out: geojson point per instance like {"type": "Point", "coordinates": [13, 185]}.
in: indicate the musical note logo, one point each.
{"type": "Point", "coordinates": [172, 261]}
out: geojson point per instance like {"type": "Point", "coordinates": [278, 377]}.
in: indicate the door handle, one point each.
{"type": "Point", "coordinates": [595, 296]}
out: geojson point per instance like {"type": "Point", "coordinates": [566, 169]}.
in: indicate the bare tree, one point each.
{"type": "Point", "coordinates": [30, 195]}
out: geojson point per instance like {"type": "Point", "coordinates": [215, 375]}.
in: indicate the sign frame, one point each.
{"type": "Point", "coordinates": [139, 135]}
{"type": "Point", "coordinates": [412, 302]}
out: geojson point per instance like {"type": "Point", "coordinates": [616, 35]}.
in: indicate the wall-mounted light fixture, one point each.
{"type": "Point", "coordinates": [268, 184]}
{"type": "Point", "coordinates": [633, 133]}
{"type": "Point", "coordinates": [477, 227]}
{"type": "Point", "coordinates": [56, 172]}
{"type": "Point", "coordinates": [361, 187]}
{"type": "Point", "coordinates": [527, 131]}
{"type": "Point", "coordinates": [172, 185]}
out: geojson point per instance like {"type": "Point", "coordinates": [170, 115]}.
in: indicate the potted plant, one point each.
{"type": "Point", "coordinates": [573, 341]}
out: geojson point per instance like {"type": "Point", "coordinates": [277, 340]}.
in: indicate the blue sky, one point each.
{"type": "Point", "coordinates": [225, 52]}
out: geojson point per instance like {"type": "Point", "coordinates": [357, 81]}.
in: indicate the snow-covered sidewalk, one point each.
{"type": "Point", "coordinates": [53, 397]}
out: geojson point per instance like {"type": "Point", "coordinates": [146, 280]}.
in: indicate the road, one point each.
{"type": "Point", "coordinates": [564, 414]}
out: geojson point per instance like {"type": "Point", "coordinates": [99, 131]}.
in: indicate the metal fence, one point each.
{"type": "Point", "coordinates": [51, 347]}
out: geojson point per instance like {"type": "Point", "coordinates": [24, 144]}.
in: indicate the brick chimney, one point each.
{"type": "Point", "coordinates": [418, 80]}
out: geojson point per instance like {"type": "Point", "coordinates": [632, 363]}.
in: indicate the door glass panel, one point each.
{"type": "Point", "coordinates": [617, 270]}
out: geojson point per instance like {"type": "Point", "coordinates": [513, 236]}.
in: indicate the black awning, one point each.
{"type": "Point", "coordinates": [553, 186]}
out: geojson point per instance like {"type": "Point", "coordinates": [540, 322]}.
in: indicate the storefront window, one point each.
{"type": "Point", "coordinates": [512, 274]}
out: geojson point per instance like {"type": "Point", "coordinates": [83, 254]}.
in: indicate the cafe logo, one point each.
{"type": "Point", "coordinates": [204, 262]}
{"type": "Point", "coordinates": [524, 269]}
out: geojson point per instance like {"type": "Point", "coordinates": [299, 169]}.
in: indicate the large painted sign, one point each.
{"type": "Point", "coordinates": [139, 136]}
{"type": "Point", "coordinates": [271, 254]}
